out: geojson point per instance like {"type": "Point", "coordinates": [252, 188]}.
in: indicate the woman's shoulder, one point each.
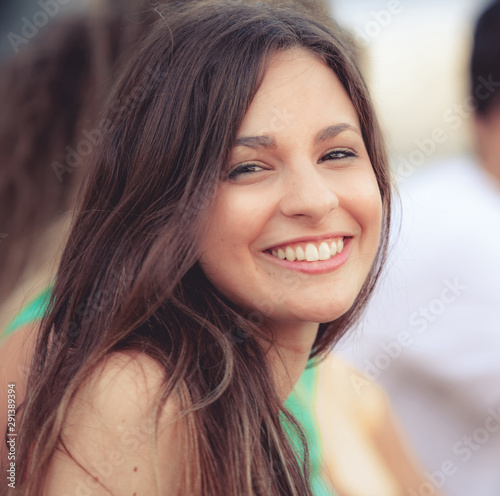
{"type": "Point", "coordinates": [359, 395]}
{"type": "Point", "coordinates": [125, 378]}
{"type": "Point", "coordinates": [113, 439]}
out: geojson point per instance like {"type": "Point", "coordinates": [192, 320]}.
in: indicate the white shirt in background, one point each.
{"type": "Point", "coordinates": [432, 331]}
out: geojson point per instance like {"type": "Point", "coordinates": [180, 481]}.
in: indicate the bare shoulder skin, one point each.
{"type": "Point", "coordinates": [110, 446]}
{"type": "Point", "coordinates": [360, 435]}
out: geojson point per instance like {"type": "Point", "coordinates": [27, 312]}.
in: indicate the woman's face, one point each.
{"type": "Point", "coordinates": [295, 225]}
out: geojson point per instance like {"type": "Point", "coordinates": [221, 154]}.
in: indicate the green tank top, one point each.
{"type": "Point", "coordinates": [32, 312]}
{"type": "Point", "coordinates": [301, 401]}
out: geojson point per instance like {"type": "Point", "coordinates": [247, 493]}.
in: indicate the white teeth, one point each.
{"type": "Point", "coordinates": [333, 249]}
{"type": "Point", "coordinates": [290, 254]}
{"type": "Point", "coordinates": [324, 251]}
{"type": "Point", "coordinates": [300, 253]}
{"type": "Point", "coordinates": [312, 254]}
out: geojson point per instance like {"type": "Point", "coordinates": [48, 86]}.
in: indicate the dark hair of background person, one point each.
{"type": "Point", "coordinates": [129, 278]}
{"type": "Point", "coordinates": [51, 94]}
{"type": "Point", "coordinates": [485, 59]}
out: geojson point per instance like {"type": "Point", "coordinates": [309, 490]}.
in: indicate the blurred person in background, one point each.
{"type": "Point", "coordinates": [51, 95]}
{"type": "Point", "coordinates": [432, 331]}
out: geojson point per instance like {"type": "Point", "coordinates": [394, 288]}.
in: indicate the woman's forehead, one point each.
{"type": "Point", "coordinates": [298, 88]}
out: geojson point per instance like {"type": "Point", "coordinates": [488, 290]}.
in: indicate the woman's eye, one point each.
{"type": "Point", "coordinates": [243, 169]}
{"type": "Point", "coordinates": [337, 155]}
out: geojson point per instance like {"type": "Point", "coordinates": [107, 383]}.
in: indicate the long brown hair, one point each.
{"type": "Point", "coordinates": [129, 278]}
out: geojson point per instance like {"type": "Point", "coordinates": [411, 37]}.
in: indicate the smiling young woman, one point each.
{"type": "Point", "coordinates": [228, 232]}
{"type": "Point", "coordinates": [301, 199]}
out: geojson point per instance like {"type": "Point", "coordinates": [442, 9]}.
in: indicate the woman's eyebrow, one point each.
{"type": "Point", "coordinates": [332, 131]}
{"type": "Point", "coordinates": [256, 142]}
{"type": "Point", "coordinates": [265, 141]}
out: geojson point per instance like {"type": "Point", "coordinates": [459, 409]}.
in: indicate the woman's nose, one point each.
{"type": "Point", "coordinates": [306, 193]}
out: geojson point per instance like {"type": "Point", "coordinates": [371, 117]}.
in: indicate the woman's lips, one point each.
{"type": "Point", "coordinates": [312, 258]}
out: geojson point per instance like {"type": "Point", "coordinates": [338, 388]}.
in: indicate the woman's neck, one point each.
{"type": "Point", "coordinates": [289, 356]}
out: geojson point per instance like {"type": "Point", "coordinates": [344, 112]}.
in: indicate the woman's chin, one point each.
{"type": "Point", "coordinates": [317, 313]}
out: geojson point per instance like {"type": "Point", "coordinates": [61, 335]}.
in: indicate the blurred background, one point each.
{"type": "Point", "coordinates": [416, 64]}
{"type": "Point", "coordinates": [12, 23]}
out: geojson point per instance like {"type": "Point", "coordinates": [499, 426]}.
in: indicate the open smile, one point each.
{"type": "Point", "coordinates": [312, 257]}
{"type": "Point", "coordinates": [310, 252]}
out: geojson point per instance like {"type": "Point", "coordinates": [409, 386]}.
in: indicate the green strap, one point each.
{"type": "Point", "coordinates": [301, 403]}
{"type": "Point", "coordinates": [32, 312]}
